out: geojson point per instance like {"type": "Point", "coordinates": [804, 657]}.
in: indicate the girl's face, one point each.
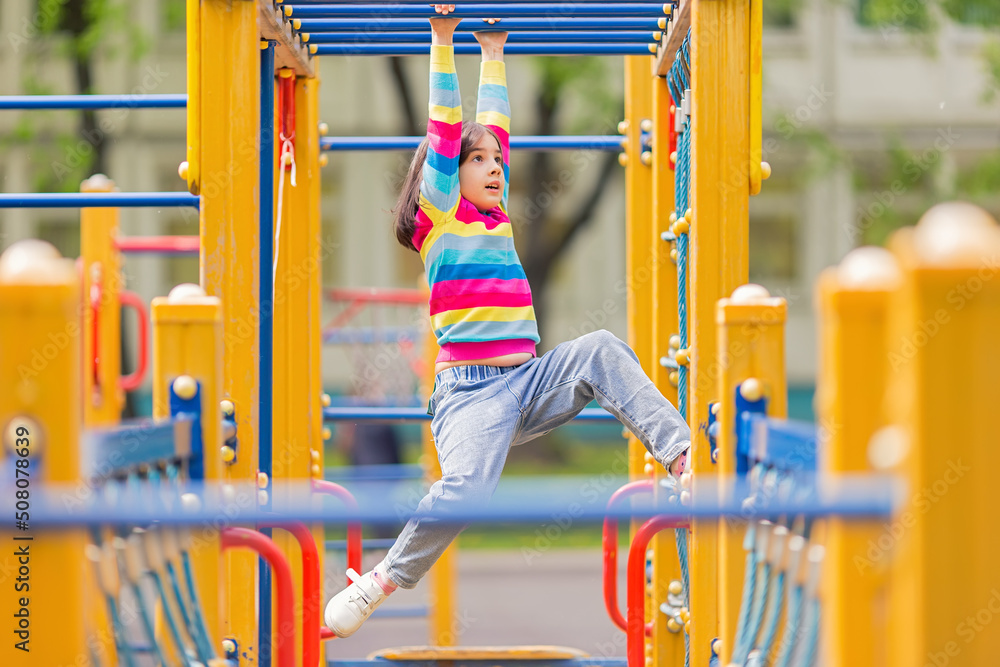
{"type": "Point", "coordinates": [481, 175]}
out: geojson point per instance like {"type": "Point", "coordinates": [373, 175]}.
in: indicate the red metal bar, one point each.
{"type": "Point", "coordinates": [232, 538]}
{"type": "Point", "coordinates": [159, 244]}
{"type": "Point", "coordinates": [311, 581]}
{"type": "Point", "coordinates": [378, 295]}
{"type": "Point", "coordinates": [636, 578]}
{"type": "Point", "coordinates": [346, 315]}
{"type": "Point", "coordinates": [96, 293]}
{"type": "Point", "coordinates": [286, 110]}
{"type": "Point", "coordinates": [353, 528]}
{"type": "Point", "coordinates": [134, 380]}
{"type": "Point", "coordinates": [610, 543]}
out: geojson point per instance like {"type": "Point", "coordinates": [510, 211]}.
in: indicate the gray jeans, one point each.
{"type": "Point", "coordinates": [481, 411]}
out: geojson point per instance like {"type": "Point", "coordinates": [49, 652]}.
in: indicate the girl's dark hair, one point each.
{"type": "Point", "coordinates": [405, 214]}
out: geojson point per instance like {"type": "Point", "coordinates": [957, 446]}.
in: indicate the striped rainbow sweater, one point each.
{"type": "Point", "coordinates": [480, 301]}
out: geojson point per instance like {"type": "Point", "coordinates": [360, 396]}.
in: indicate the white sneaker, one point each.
{"type": "Point", "coordinates": [348, 609]}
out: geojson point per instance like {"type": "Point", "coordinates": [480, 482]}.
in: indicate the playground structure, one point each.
{"type": "Point", "coordinates": [765, 560]}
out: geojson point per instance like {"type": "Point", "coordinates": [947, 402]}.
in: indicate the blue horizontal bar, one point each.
{"type": "Point", "coordinates": [131, 445]}
{"type": "Point", "coordinates": [99, 200]}
{"type": "Point", "coordinates": [375, 26]}
{"type": "Point", "coordinates": [370, 472]}
{"type": "Point", "coordinates": [468, 38]}
{"type": "Point", "coordinates": [473, 49]}
{"type": "Point", "coordinates": [400, 612]}
{"type": "Point", "coordinates": [93, 101]}
{"type": "Point", "coordinates": [517, 500]}
{"type": "Point", "coordinates": [512, 10]}
{"type": "Point", "coordinates": [522, 142]}
{"type": "Point", "coordinates": [778, 443]}
{"type": "Point", "coordinates": [368, 335]}
{"type": "Point", "coordinates": [371, 543]}
{"type": "Point", "coordinates": [420, 414]}
{"type": "Point", "coordinates": [555, 5]}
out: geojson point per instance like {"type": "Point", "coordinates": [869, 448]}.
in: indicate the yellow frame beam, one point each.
{"type": "Point", "coordinates": [228, 91]}
{"type": "Point", "coordinates": [718, 257]}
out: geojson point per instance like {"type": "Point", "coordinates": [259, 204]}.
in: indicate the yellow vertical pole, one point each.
{"type": "Point", "coordinates": [943, 370]}
{"type": "Point", "coordinates": [638, 224]}
{"type": "Point", "coordinates": [102, 282]}
{"type": "Point", "coordinates": [229, 96]}
{"type": "Point", "coordinates": [297, 454]}
{"type": "Point", "coordinates": [442, 630]}
{"type": "Point", "coordinates": [187, 340]}
{"type": "Point", "coordinates": [718, 257]}
{"type": "Point", "coordinates": [103, 399]}
{"type": "Point", "coordinates": [668, 648]}
{"type": "Point", "coordinates": [40, 415]}
{"type": "Point", "coordinates": [306, 209]}
{"type": "Point", "coordinates": [853, 301]}
{"type": "Point", "coordinates": [191, 172]}
{"type": "Point", "coordinates": [751, 344]}
{"type": "Point", "coordinates": [638, 229]}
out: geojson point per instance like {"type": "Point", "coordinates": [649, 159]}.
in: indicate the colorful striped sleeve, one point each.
{"type": "Point", "coordinates": [439, 187]}
{"type": "Point", "coordinates": [493, 111]}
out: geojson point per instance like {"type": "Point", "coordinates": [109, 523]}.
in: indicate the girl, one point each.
{"type": "Point", "coordinates": [491, 391]}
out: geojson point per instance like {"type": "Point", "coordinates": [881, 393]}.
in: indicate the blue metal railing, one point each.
{"type": "Point", "coordinates": [99, 200]}
{"type": "Point", "coordinates": [522, 142]}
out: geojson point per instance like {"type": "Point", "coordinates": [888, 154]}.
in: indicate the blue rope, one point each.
{"type": "Point", "coordinates": [682, 177]}
{"type": "Point", "coordinates": [203, 640]}
{"type": "Point", "coordinates": [761, 587]}
{"type": "Point", "coordinates": [789, 636]}
{"type": "Point", "coordinates": [806, 653]}
{"type": "Point", "coordinates": [749, 584]}
{"type": "Point", "coordinates": [182, 649]}
{"type": "Point", "coordinates": [775, 600]}
{"type": "Point", "coordinates": [681, 537]}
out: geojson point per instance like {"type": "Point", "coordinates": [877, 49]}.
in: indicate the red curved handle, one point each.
{"type": "Point", "coordinates": [310, 588]}
{"type": "Point", "coordinates": [353, 528]}
{"type": "Point", "coordinates": [636, 578]}
{"type": "Point", "coordinates": [243, 537]}
{"type": "Point", "coordinates": [610, 543]}
{"type": "Point", "coordinates": [134, 380]}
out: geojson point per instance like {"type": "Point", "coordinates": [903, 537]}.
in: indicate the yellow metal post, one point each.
{"type": "Point", "coordinates": [751, 345]}
{"type": "Point", "coordinates": [297, 452]}
{"type": "Point", "coordinates": [306, 209]}
{"type": "Point", "coordinates": [442, 579]}
{"type": "Point", "coordinates": [638, 225]}
{"type": "Point", "coordinates": [191, 172]}
{"type": "Point", "coordinates": [187, 340]}
{"type": "Point", "coordinates": [942, 389]}
{"type": "Point", "coordinates": [101, 272]}
{"type": "Point", "coordinates": [40, 417]}
{"type": "Point", "coordinates": [853, 301]}
{"type": "Point", "coordinates": [668, 648]}
{"type": "Point", "coordinates": [639, 254]}
{"type": "Point", "coordinates": [717, 257]}
{"type": "Point", "coordinates": [229, 123]}
{"type": "Point", "coordinates": [102, 396]}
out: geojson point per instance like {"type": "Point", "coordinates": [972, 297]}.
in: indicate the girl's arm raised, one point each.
{"type": "Point", "coordinates": [493, 108]}
{"type": "Point", "coordinates": [439, 185]}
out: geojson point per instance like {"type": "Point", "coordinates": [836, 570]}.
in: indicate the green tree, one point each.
{"type": "Point", "coordinates": [82, 31]}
